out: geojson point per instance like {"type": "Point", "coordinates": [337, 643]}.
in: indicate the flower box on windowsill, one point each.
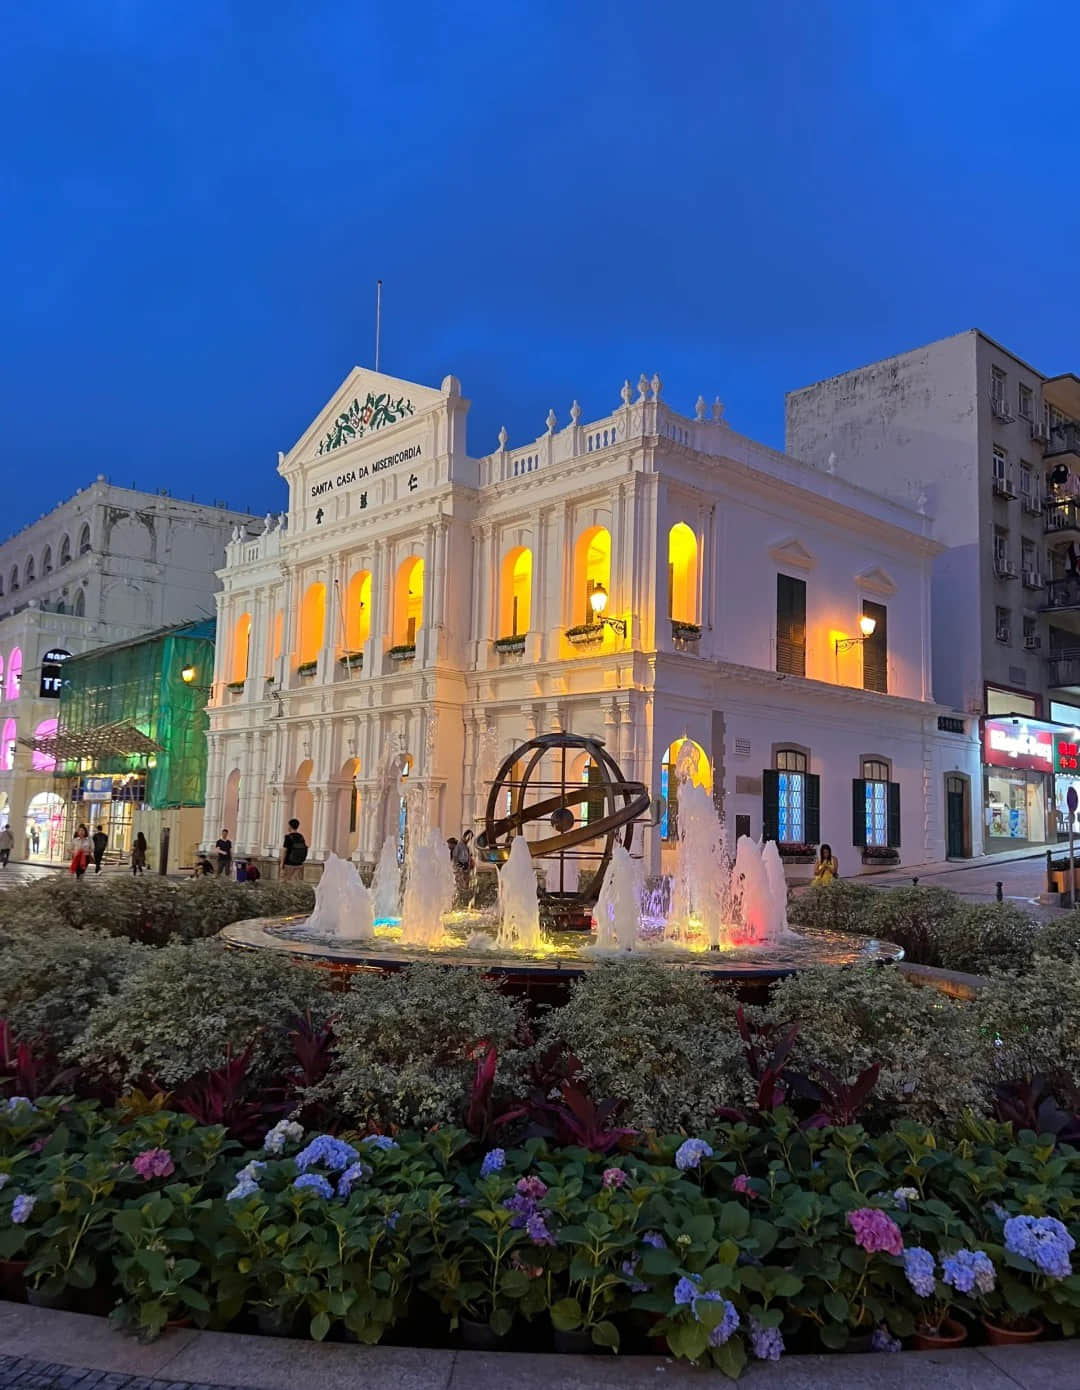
{"type": "Point", "coordinates": [405, 652]}
{"type": "Point", "coordinates": [585, 634]}
{"type": "Point", "coordinates": [879, 854]}
{"type": "Point", "coordinates": [352, 661]}
{"type": "Point", "coordinates": [236, 686]}
{"type": "Point", "coordinates": [306, 669]}
{"type": "Point", "coordinates": [506, 646]}
{"type": "Point", "coordinates": [797, 853]}
{"type": "Point", "coordinates": [685, 632]}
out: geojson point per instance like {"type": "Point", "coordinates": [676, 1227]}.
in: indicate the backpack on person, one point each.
{"type": "Point", "coordinates": [296, 854]}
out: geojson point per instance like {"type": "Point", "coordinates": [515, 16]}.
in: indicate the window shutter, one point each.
{"type": "Point", "coordinates": [813, 808]}
{"type": "Point", "coordinates": [893, 836]}
{"type": "Point", "coordinates": [790, 625]}
{"type": "Point", "coordinates": [858, 813]}
{"type": "Point", "coordinates": [770, 804]}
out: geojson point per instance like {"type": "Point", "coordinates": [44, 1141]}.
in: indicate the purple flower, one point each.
{"type": "Point", "coordinates": [1044, 1241]}
{"type": "Point", "coordinates": [766, 1343]}
{"type": "Point", "coordinates": [903, 1195]}
{"type": "Point", "coordinates": [690, 1153]}
{"type": "Point", "coordinates": [494, 1161]}
{"type": "Point", "coordinates": [21, 1208]}
{"type": "Point", "coordinates": [726, 1326]}
{"type": "Point", "coordinates": [686, 1290]}
{"type": "Point", "coordinates": [629, 1269]}
{"type": "Point", "coordinates": [382, 1142]}
{"type": "Point", "coordinates": [654, 1239]}
{"type": "Point", "coordinates": [741, 1183]}
{"type": "Point", "coordinates": [881, 1341]}
{"type": "Point", "coordinates": [332, 1153]}
{"type": "Point", "coordinates": [533, 1188]}
{"type": "Point", "coordinates": [316, 1182]}
{"type": "Point", "coordinates": [919, 1269]}
{"type": "Point", "coordinates": [392, 1219]}
{"type": "Point", "coordinates": [244, 1188]}
{"type": "Point", "coordinates": [356, 1172]}
{"type": "Point", "coordinates": [536, 1228]}
{"type": "Point", "coordinates": [613, 1177]}
{"type": "Point", "coordinates": [153, 1163]}
{"type": "Point", "coordinates": [251, 1170]}
{"type": "Point", "coordinates": [875, 1231]}
{"type": "Point", "coordinates": [969, 1270]}
{"type": "Point", "coordinates": [14, 1102]}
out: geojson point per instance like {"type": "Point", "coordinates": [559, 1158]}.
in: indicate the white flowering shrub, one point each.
{"type": "Point", "coordinates": [932, 1057]}
{"type": "Point", "coordinates": [1033, 1018]}
{"type": "Point", "coordinates": [842, 905]}
{"type": "Point", "coordinates": [1060, 938]}
{"type": "Point", "coordinates": [988, 938]}
{"type": "Point", "coordinates": [662, 1038]}
{"type": "Point", "coordinates": [918, 919]}
{"type": "Point", "coordinates": [50, 981]}
{"type": "Point", "coordinates": [182, 1010]}
{"type": "Point", "coordinates": [406, 1045]}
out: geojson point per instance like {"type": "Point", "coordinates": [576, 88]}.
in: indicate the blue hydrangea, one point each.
{"type": "Point", "coordinates": [690, 1153]}
{"type": "Point", "coordinates": [245, 1187]}
{"type": "Point", "coordinates": [654, 1239]}
{"type": "Point", "coordinates": [686, 1290]}
{"type": "Point", "coordinates": [537, 1230]}
{"type": "Point", "coordinates": [356, 1172]}
{"type": "Point", "coordinates": [331, 1153]}
{"type": "Point", "coordinates": [629, 1270]}
{"type": "Point", "coordinates": [316, 1182]}
{"type": "Point", "coordinates": [15, 1101]}
{"type": "Point", "coordinates": [251, 1170]}
{"type": "Point", "coordinates": [726, 1326]}
{"type": "Point", "coordinates": [494, 1162]}
{"type": "Point", "coordinates": [919, 1269]}
{"type": "Point", "coordinates": [904, 1195]}
{"type": "Point", "coordinates": [880, 1340]}
{"type": "Point", "coordinates": [21, 1208]}
{"type": "Point", "coordinates": [5, 1178]}
{"type": "Point", "coordinates": [284, 1132]}
{"type": "Point", "coordinates": [969, 1271]}
{"type": "Point", "coordinates": [766, 1343]}
{"type": "Point", "coordinates": [392, 1220]}
{"type": "Point", "coordinates": [1044, 1241]}
{"type": "Point", "coordinates": [380, 1141]}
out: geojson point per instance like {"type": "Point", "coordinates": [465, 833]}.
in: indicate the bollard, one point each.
{"type": "Point", "coordinates": [914, 883]}
{"type": "Point", "coordinates": [1000, 894]}
{"type": "Point", "coordinates": [163, 852]}
{"type": "Point", "coordinates": [1049, 875]}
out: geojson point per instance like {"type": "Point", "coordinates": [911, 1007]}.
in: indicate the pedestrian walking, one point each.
{"type": "Point", "coordinates": [100, 842]}
{"type": "Point", "coordinates": [224, 854]}
{"type": "Point", "coordinates": [35, 839]}
{"type": "Point", "coordinates": [80, 851]}
{"type": "Point", "coordinates": [293, 852]}
{"type": "Point", "coordinates": [138, 854]}
{"type": "Point", "coordinates": [7, 844]}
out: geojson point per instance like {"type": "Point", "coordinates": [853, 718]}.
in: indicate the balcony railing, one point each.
{"type": "Point", "coordinates": [1064, 439]}
{"type": "Point", "coordinates": [1064, 593]}
{"type": "Point", "coordinates": [1063, 667]}
{"type": "Point", "coordinates": [1062, 515]}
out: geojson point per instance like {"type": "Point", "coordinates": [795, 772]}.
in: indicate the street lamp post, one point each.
{"type": "Point", "coordinates": [598, 602]}
{"type": "Point", "coordinates": [866, 627]}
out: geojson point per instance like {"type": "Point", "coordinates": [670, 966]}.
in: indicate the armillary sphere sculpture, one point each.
{"type": "Point", "coordinates": [588, 805]}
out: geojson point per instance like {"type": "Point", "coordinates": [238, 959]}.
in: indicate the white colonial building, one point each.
{"type": "Point", "coordinates": [107, 565]}
{"type": "Point", "coordinates": [648, 578]}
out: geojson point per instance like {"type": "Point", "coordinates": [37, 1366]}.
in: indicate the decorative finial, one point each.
{"type": "Point", "coordinates": [268, 522]}
{"type": "Point", "coordinates": [830, 463]}
{"type": "Point", "coordinates": [700, 408]}
{"type": "Point", "coordinates": [280, 458]}
{"type": "Point", "coordinates": [627, 392]}
{"type": "Point", "coordinates": [718, 409]}
{"type": "Point", "coordinates": [551, 421]}
{"type": "Point", "coordinates": [922, 502]}
{"type": "Point", "coordinates": [503, 437]}
{"type": "Point", "coordinates": [575, 413]}
{"type": "Point", "coordinates": [656, 384]}
{"type": "Point", "coordinates": [643, 386]}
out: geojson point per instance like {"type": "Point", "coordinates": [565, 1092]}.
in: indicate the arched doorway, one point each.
{"type": "Point", "coordinates": [230, 808]}
{"type": "Point", "coordinates": [303, 804]}
{"type": "Point", "coordinates": [45, 826]}
{"type": "Point", "coordinates": [347, 810]}
{"type": "Point", "coordinates": [408, 601]}
{"type": "Point", "coordinates": [957, 816]}
{"type": "Point", "coordinates": [682, 574]}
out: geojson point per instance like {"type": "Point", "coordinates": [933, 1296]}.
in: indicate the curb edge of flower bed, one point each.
{"type": "Point", "coordinates": [955, 983]}
{"type": "Point", "coordinates": [206, 1359]}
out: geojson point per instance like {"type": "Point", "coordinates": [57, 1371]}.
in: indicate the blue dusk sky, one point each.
{"type": "Point", "coordinates": [197, 200]}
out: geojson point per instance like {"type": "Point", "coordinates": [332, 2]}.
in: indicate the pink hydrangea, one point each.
{"type": "Point", "coordinates": [741, 1183]}
{"type": "Point", "coordinates": [532, 1188]}
{"type": "Point", "coordinates": [153, 1163]}
{"type": "Point", "coordinates": [613, 1177]}
{"type": "Point", "coordinates": [875, 1231]}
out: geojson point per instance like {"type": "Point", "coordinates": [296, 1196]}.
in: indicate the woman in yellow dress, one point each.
{"type": "Point", "coordinates": [826, 868]}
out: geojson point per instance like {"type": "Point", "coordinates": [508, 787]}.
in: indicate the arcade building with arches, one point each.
{"type": "Point", "coordinates": [650, 578]}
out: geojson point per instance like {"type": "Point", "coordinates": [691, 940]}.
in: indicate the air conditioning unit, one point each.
{"type": "Point", "coordinates": [1004, 488]}
{"type": "Point", "coordinates": [1004, 568]}
{"type": "Point", "coordinates": [1040, 430]}
{"type": "Point", "coordinates": [1000, 406]}
{"type": "Point", "coordinates": [1032, 579]}
{"type": "Point", "coordinates": [1032, 643]}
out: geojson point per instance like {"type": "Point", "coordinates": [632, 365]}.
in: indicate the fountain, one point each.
{"type": "Point", "coordinates": [728, 919]}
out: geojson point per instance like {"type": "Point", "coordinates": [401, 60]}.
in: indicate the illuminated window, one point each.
{"type": "Point", "coordinates": [14, 674]}
{"type": "Point", "coordinates": [684, 761]}
{"type": "Point", "coordinates": [7, 746]}
{"type": "Point", "coordinates": [240, 649]}
{"type": "Point", "coordinates": [592, 569]}
{"type": "Point", "coordinates": [312, 623]}
{"type": "Point", "coordinates": [515, 592]}
{"type": "Point", "coordinates": [408, 601]}
{"type": "Point", "coordinates": [358, 610]}
{"type": "Point", "coordinates": [682, 574]}
{"type": "Point", "coordinates": [876, 806]}
{"type": "Point", "coordinates": [791, 788]}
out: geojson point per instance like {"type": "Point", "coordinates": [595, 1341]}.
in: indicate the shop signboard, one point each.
{"type": "Point", "coordinates": [1067, 753]}
{"type": "Point", "coordinates": [52, 672]}
{"type": "Point", "coordinates": [1019, 743]}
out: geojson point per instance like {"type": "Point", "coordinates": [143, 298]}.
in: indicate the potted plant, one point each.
{"type": "Point", "coordinates": [404, 651]}
{"type": "Point", "coordinates": [164, 1275]}
{"type": "Point", "coordinates": [72, 1234]}
{"type": "Point", "coordinates": [236, 686]}
{"type": "Point", "coordinates": [792, 852]}
{"type": "Point", "coordinates": [307, 668]}
{"type": "Point", "coordinates": [880, 854]}
{"type": "Point", "coordinates": [685, 632]}
{"type": "Point", "coordinates": [515, 643]}
{"type": "Point", "coordinates": [585, 633]}
{"type": "Point", "coordinates": [352, 661]}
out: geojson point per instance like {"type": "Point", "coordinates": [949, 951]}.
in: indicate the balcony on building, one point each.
{"type": "Point", "coordinates": [1063, 593]}
{"type": "Point", "coordinates": [1061, 520]}
{"type": "Point", "coordinates": [1063, 669]}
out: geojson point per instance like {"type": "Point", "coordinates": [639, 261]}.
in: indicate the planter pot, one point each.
{"type": "Point", "coordinates": [578, 1343]}
{"type": "Point", "coordinates": [177, 1323]}
{"type": "Point", "coordinates": [13, 1280]}
{"type": "Point", "coordinates": [861, 1342]}
{"type": "Point", "coordinates": [950, 1334]}
{"type": "Point", "coordinates": [478, 1336]}
{"type": "Point", "coordinates": [38, 1298]}
{"type": "Point", "coordinates": [1029, 1331]}
{"type": "Point", "coordinates": [273, 1322]}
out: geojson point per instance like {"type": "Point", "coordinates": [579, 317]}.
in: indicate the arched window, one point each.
{"type": "Point", "coordinates": [347, 821]}
{"type": "Point", "coordinates": [13, 582]}
{"type": "Point", "coordinates": [29, 573]}
{"type": "Point", "coordinates": [65, 551]}
{"type": "Point", "coordinates": [230, 813]}
{"type": "Point", "coordinates": [303, 804]}
{"type": "Point", "coordinates": [78, 607]}
{"type": "Point", "coordinates": [46, 560]}
{"type": "Point", "coordinates": [876, 806]}
{"type": "Point", "coordinates": [84, 539]}
{"type": "Point", "coordinates": [791, 799]}
{"type": "Point", "coordinates": [44, 762]}
{"type": "Point", "coordinates": [14, 674]}
{"type": "Point", "coordinates": [408, 601]}
{"type": "Point", "coordinates": [7, 746]}
{"type": "Point", "coordinates": [682, 574]}
{"type": "Point", "coordinates": [592, 570]}
{"type": "Point", "coordinates": [312, 623]}
{"type": "Point", "coordinates": [241, 645]}
{"type": "Point", "coordinates": [358, 610]}
{"type": "Point", "coordinates": [684, 761]}
{"type": "Point", "coordinates": [515, 592]}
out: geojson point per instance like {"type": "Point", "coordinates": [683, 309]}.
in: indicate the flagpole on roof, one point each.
{"type": "Point", "coordinates": [378, 320]}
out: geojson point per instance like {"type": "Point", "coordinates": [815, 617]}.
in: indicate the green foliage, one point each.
{"type": "Point", "coordinates": [661, 1038]}
{"type": "Point", "coordinates": [1034, 1017]}
{"type": "Point", "coordinates": [841, 905]}
{"type": "Point", "coordinates": [406, 1044]}
{"type": "Point", "coordinates": [50, 981]}
{"type": "Point", "coordinates": [915, 918]}
{"type": "Point", "coordinates": [929, 1048]}
{"type": "Point", "coordinates": [988, 938]}
{"type": "Point", "coordinates": [1060, 938]}
{"type": "Point", "coordinates": [185, 1007]}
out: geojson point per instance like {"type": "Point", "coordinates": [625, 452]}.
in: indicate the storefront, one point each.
{"type": "Point", "coordinates": [1019, 761]}
{"type": "Point", "coordinates": [1066, 775]}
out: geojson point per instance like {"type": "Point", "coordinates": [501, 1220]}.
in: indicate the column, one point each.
{"type": "Point", "coordinates": [290, 629]}
{"type": "Point", "coordinates": [538, 624]}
